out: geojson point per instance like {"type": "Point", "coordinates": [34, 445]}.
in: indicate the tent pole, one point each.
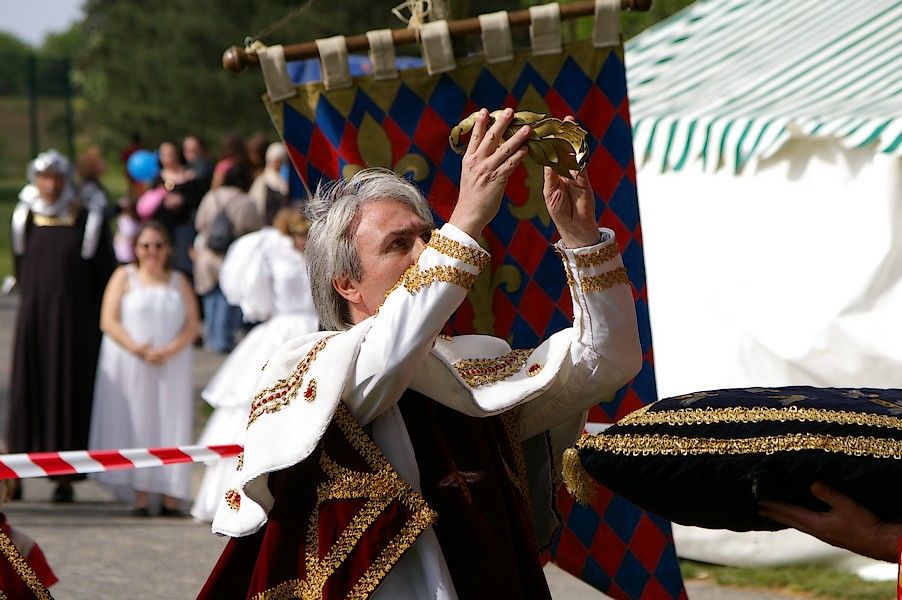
{"type": "Point", "coordinates": [236, 59]}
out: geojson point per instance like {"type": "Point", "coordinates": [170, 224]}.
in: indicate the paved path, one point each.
{"type": "Point", "coordinates": [99, 551]}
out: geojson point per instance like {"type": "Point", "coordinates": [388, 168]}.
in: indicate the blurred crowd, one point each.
{"type": "Point", "coordinates": [203, 249]}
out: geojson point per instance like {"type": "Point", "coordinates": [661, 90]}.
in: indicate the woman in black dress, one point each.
{"type": "Point", "coordinates": [63, 259]}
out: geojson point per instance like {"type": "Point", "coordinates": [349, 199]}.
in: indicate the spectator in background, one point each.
{"type": "Point", "coordinates": [135, 187]}
{"type": "Point", "coordinates": [265, 274]}
{"type": "Point", "coordinates": [63, 259]}
{"type": "Point", "coordinates": [90, 167]}
{"type": "Point", "coordinates": [269, 190]}
{"type": "Point", "coordinates": [127, 224]}
{"type": "Point", "coordinates": [257, 145]}
{"type": "Point", "coordinates": [194, 149]}
{"type": "Point", "coordinates": [177, 195]}
{"type": "Point", "coordinates": [231, 152]}
{"type": "Point", "coordinates": [225, 214]}
{"type": "Point", "coordinates": [143, 396]}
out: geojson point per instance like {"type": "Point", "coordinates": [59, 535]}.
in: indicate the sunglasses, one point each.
{"type": "Point", "coordinates": [154, 245]}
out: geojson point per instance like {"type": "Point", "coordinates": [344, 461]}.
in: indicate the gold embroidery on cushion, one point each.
{"type": "Point", "coordinates": [758, 414]}
{"type": "Point", "coordinates": [602, 255]}
{"type": "Point", "coordinates": [240, 461]}
{"type": "Point", "coordinates": [667, 445]}
{"type": "Point", "coordinates": [22, 568]}
{"type": "Point", "coordinates": [534, 369]}
{"type": "Point", "coordinates": [233, 499]}
{"type": "Point", "coordinates": [597, 283]}
{"type": "Point", "coordinates": [482, 371]}
{"type": "Point", "coordinates": [477, 257]}
{"type": "Point", "coordinates": [280, 394]}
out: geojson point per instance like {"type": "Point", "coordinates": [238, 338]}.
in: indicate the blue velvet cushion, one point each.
{"type": "Point", "coordinates": [706, 458]}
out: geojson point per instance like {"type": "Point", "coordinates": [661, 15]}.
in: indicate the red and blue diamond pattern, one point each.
{"type": "Point", "coordinates": [612, 545]}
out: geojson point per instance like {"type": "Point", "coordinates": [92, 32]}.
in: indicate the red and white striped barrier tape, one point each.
{"type": "Point", "coordinates": [72, 462]}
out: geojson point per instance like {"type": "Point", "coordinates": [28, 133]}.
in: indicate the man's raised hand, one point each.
{"type": "Point", "coordinates": [571, 204]}
{"type": "Point", "coordinates": [485, 170]}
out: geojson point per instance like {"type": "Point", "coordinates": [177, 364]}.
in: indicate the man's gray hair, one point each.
{"type": "Point", "coordinates": [331, 251]}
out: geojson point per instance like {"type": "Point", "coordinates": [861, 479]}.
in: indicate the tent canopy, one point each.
{"type": "Point", "coordinates": [726, 81]}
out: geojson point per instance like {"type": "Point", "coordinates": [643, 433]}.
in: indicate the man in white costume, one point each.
{"type": "Point", "coordinates": [386, 460]}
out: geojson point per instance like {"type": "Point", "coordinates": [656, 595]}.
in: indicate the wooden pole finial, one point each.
{"type": "Point", "coordinates": [234, 59]}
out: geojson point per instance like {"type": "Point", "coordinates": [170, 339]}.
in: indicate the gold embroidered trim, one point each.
{"type": "Point", "coordinates": [477, 257]}
{"type": "Point", "coordinates": [379, 489]}
{"type": "Point", "coordinates": [483, 371]}
{"type": "Point", "coordinates": [597, 283]}
{"type": "Point", "coordinates": [570, 280]}
{"type": "Point", "coordinates": [280, 394]}
{"type": "Point", "coordinates": [310, 392]}
{"type": "Point", "coordinates": [240, 461]}
{"type": "Point", "coordinates": [380, 567]}
{"type": "Point", "coordinates": [46, 221]}
{"type": "Point", "coordinates": [287, 590]}
{"type": "Point", "coordinates": [534, 369]}
{"type": "Point", "coordinates": [518, 475]}
{"type": "Point", "coordinates": [758, 414]}
{"type": "Point", "coordinates": [602, 255]}
{"type": "Point", "coordinates": [415, 280]}
{"type": "Point", "coordinates": [667, 445]}
{"type": "Point", "coordinates": [233, 499]}
{"type": "Point", "coordinates": [22, 568]}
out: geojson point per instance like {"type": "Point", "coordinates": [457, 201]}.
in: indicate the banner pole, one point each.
{"type": "Point", "coordinates": [237, 59]}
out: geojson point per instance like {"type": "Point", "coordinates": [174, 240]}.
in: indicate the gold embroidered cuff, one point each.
{"type": "Point", "coordinates": [414, 280]}
{"type": "Point", "coordinates": [607, 280]}
{"type": "Point", "coordinates": [597, 257]}
{"type": "Point", "coordinates": [477, 257]}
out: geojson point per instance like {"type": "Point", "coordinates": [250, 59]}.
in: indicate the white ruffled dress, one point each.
{"type": "Point", "coordinates": [265, 276]}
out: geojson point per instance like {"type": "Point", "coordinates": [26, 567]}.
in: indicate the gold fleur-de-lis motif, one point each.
{"type": "Point", "coordinates": [483, 290]}
{"type": "Point", "coordinates": [375, 150]}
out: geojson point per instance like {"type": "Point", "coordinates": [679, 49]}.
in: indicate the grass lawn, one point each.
{"type": "Point", "coordinates": [815, 581]}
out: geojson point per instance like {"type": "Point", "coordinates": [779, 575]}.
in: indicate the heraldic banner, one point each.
{"type": "Point", "coordinates": [403, 124]}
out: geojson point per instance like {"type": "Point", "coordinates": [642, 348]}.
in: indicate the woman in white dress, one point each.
{"type": "Point", "coordinates": [264, 273]}
{"type": "Point", "coordinates": [142, 397]}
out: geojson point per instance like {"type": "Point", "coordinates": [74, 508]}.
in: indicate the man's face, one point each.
{"type": "Point", "coordinates": [389, 238]}
{"type": "Point", "coordinates": [50, 185]}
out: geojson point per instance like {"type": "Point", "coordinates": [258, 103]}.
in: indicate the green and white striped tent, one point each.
{"type": "Point", "coordinates": [768, 140]}
{"type": "Point", "coordinates": [725, 81]}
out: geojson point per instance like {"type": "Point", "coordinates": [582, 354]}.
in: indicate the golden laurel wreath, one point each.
{"type": "Point", "coordinates": [552, 142]}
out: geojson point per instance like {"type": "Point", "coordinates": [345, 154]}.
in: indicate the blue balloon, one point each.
{"type": "Point", "coordinates": [143, 165]}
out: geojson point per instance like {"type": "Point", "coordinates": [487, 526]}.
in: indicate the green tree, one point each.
{"type": "Point", "coordinates": [13, 70]}
{"type": "Point", "coordinates": [154, 67]}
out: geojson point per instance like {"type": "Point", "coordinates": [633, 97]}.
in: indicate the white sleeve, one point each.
{"type": "Point", "coordinates": [406, 325]}
{"type": "Point", "coordinates": [603, 349]}
{"type": "Point", "coordinates": [245, 277]}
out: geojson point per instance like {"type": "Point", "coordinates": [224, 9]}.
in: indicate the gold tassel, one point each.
{"type": "Point", "coordinates": [579, 483]}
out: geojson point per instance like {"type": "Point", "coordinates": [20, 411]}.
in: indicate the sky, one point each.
{"type": "Point", "coordinates": [31, 20]}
